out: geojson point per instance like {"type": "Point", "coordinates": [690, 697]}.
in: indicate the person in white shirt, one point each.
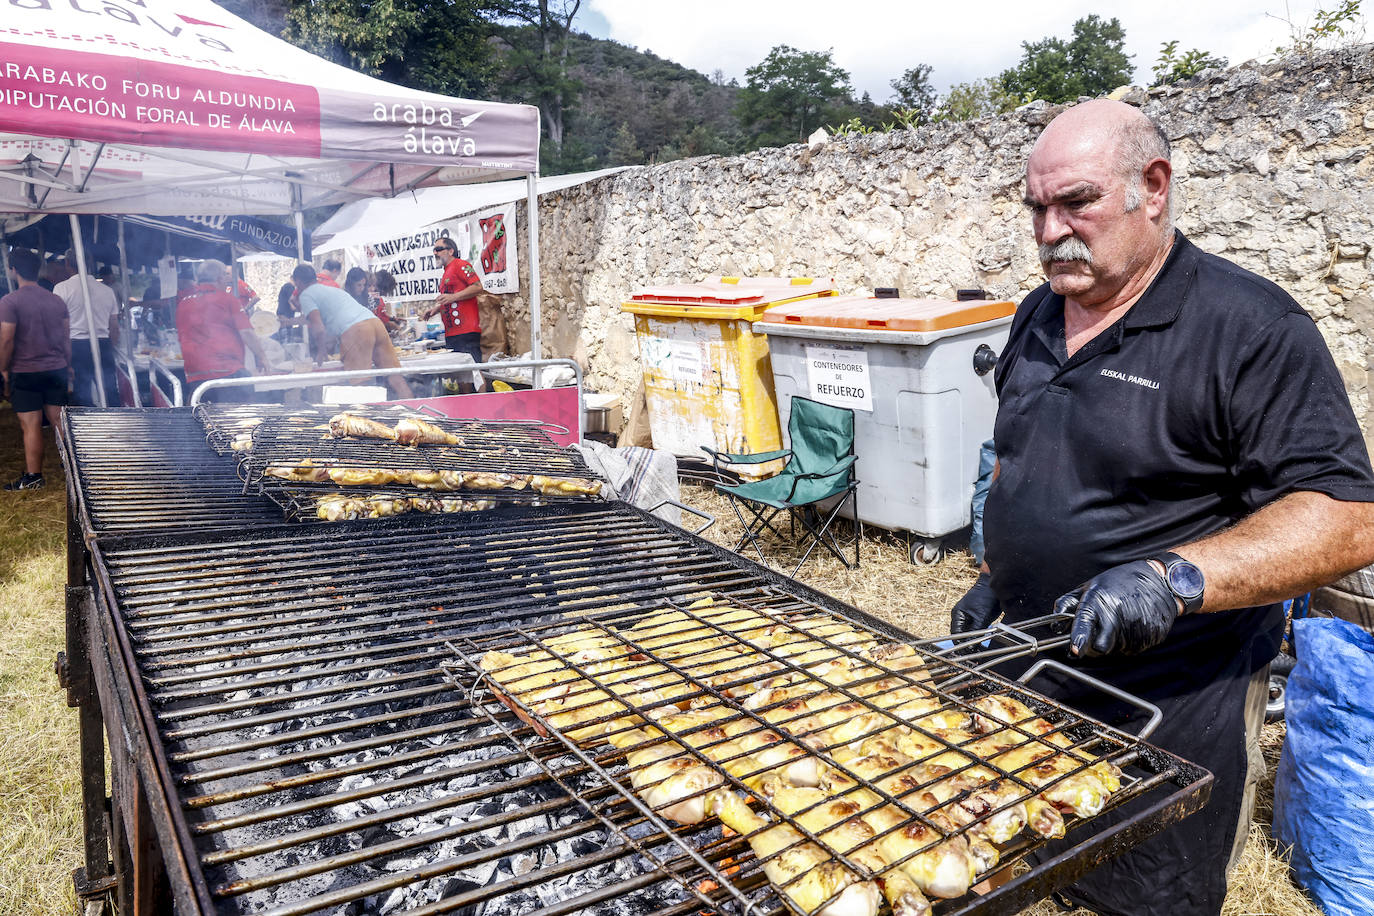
{"type": "Point", "coordinates": [105, 314]}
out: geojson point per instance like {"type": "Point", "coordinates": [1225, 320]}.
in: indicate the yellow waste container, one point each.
{"type": "Point", "coordinates": [707, 376]}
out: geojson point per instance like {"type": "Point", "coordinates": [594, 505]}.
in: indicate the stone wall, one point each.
{"type": "Point", "coordinates": [1273, 169]}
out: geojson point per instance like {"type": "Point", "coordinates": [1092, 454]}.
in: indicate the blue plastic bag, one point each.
{"type": "Point", "coordinates": [1324, 788]}
{"type": "Point", "coordinates": [987, 459]}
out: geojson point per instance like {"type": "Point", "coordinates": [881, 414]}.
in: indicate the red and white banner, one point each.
{"type": "Point", "coordinates": [182, 90]}
{"type": "Point", "coordinates": [485, 239]}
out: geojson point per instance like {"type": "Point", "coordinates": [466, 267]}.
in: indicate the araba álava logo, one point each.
{"type": "Point", "coordinates": [427, 128]}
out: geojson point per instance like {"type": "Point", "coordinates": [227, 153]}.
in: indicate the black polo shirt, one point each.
{"type": "Point", "coordinates": [1212, 396]}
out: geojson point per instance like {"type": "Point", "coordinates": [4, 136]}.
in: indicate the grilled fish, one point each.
{"type": "Point", "coordinates": [347, 424]}
{"type": "Point", "coordinates": [414, 431]}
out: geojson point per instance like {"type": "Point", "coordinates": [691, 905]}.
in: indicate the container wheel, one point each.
{"type": "Point", "coordinates": [927, 551]}
{"type": "Point", "coordinates": [1279, 670]}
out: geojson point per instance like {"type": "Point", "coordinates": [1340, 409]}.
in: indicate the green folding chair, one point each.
{"type": "Point", "coordinates": [820, 467]}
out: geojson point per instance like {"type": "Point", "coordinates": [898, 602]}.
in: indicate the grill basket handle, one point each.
{"type": "Point", "coordinates": [1156, 716]}
{"type": "Point", "coordinates": [710, 519]}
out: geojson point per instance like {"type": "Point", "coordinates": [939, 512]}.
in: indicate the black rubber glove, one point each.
{"type": "Point", "coordinates": [1126, 609]}
{"type": "Point", "coordinates": [977, 609]}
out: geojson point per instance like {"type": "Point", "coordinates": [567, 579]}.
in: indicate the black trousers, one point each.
{"type": "Point", "coordinates": [83, 368]}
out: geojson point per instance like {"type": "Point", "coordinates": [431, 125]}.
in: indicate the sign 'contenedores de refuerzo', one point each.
{"type": "Point", "coordinates": [838, 375]}
{"type": "Point", "coordinates": [485, 239]}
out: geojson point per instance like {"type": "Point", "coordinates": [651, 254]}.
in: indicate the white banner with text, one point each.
{"type": "Point", "coordinates": [486, 239]}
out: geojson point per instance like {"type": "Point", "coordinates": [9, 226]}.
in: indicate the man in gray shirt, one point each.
{"type": "Point", "coordinates": [105, 314]}
{"type": "Point", "coordinates": [34, 356]}
{"type": "Point", "coordinates": [332, 314]}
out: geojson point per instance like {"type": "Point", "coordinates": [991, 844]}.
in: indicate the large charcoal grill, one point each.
{"type": "Point", "coordinates": [293, 727]}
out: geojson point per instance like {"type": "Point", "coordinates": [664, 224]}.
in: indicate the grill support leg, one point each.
{"type": "Point", "coordinates": [96, 877]}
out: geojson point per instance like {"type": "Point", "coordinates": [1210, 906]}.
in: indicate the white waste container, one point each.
{"type": "Point", "coordinates": [916, 373]}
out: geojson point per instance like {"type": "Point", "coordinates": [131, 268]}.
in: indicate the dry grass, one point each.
{"type": "Point", "coordinates": [918, 599]}
{"type": "Point", "coordinates": [40, 808]}
{"type": "Point", "coordinates": [40, 824]}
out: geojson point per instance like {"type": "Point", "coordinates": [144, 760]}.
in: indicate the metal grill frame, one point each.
{"type": "Point", "coordinates": [114, 659]}
{"type": "Point", "coordinates": [276, 443]}
{"type": "Point", "coordinates": [1129, 749]}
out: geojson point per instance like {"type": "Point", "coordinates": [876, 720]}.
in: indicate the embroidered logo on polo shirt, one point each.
{"type": "Point", "coordinates": [1133, 379]}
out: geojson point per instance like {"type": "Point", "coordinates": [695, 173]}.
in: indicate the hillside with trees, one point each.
{"type": "Point", "coordinates": [603, 103]}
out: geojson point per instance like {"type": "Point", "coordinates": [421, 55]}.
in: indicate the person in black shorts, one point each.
{"type": "Point", "coordinates": [35, 357]}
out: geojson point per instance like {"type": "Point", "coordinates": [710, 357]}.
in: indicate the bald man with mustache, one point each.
{"type": "Point", "coordinates": [1176, 455]}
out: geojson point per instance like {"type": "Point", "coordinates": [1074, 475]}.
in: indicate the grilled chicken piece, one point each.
{"type": "Point", "coordinates": [968, 797]}
{"type": "Point", "coordinates": [799, 868]}
{"type": "Point", "coordinates": [835, 824]}
{"type": "Point", "coordinates": [242, 442]}
{"type": "Point", "coordinates": [670, 780]}
{"type": "Point", "coordinates": [565, 486]}
{"type": "Point", "coordinates": [347, 424]}
{"type": "Point", "coordinates": [1068, 781]}
{"type": "Point", "coordinates": [940, 864]}
{"type": "Point", "coordinates": [307, 470]}
{"type": "Point", "coordinates": [361, 477]}
{"type": "Point", "coordinates": [414, 431]}
{"type": "Point", "coordinates": [483, 480]}
{"type": "Point", "coordinates": [1072, 781]}
{"type": "Point", "coordinates": [742, 747]}
{"type": "Point", "coordinates": [342, 508]}
{"type": "Point", "coordinates": [997, 711]}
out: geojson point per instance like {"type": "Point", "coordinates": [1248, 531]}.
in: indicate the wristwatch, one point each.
{"type": "Point", "coordinates": [1184, 579]}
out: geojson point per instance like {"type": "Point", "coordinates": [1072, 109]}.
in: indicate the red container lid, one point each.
{"type": "Point", "coordinates": [888, 314]}
{"type": "Point", "coordinates": [736, 291]}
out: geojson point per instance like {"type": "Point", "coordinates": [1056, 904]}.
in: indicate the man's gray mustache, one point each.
{"type": "Point", "coordinates": [1069, 249]}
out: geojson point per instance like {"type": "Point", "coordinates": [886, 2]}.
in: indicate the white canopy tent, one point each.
{"type": "Point", "coordinates": [176, 107]}
{"type": "Point", "coordinates": [366, 221]}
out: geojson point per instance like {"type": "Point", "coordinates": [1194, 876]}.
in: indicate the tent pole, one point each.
{"type": "Point", "coordinates": [130, 332]}
{"type": "Point", "coordinates": [532, 225]}
{"type": "Point", "coordinates": [80, 249]}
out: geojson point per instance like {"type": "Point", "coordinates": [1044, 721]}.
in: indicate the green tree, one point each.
{"type": "Point", "coordinates": [982, 98]}
{"type": "Point", "coordinates": [1093, 62]}
{"type": "Point", "coordinates": [624, 150]}
{"type": "Point", "coordinates": [1172, 66]}
{"type": "Point", "coordinates": [538, 64]}
{"type": "Point", "coordinates": [438, 46]}
{"type": "Point", "coordinates": [914, 93]}
{"type": "Point", "coordinates": [789, 94]}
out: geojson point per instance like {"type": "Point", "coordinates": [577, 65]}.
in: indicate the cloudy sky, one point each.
{"type": "Point", "coordinates": [875, 40]}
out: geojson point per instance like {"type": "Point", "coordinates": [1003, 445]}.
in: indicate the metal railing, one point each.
{"type": "Point", "coordinates": [315, 379]}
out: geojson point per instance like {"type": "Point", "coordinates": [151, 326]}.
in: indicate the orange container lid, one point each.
{"type": "Point", "coordinates": [736, 291]}
{"type": "Point", "coordinates": [888, 314]}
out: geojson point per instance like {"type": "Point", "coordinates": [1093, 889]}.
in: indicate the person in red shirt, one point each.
{"type": "Point", "coordinates": [328, 274]}
{"type": "Point", "coordinates": [383, 284]}
{"type": "Point", "coordinates": [214, 330]}
{"type": "Point", "coordinates": [245, 294]}
{"type": "Point", "coordinates": [456, 303]}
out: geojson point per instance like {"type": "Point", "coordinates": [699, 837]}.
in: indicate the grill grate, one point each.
{"type": "Point", "coordinates": [302, 689]}
{"type": "Point", "coordinates": [488, 446]}
{"type": "Point", "coordinates": [145, 469]}
{"type": "Point", "coordinates": [714, 662]}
